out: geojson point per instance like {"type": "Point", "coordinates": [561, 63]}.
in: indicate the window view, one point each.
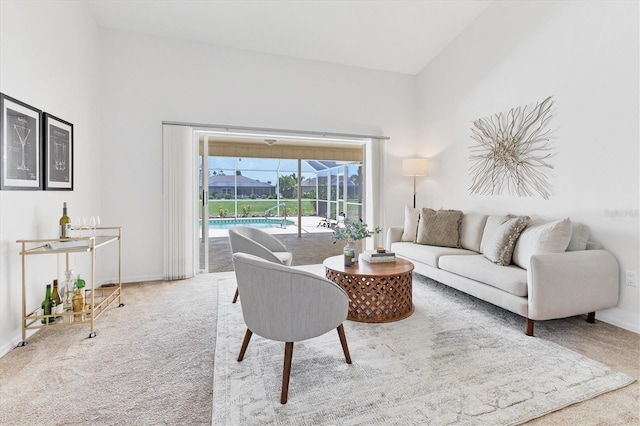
{"type": "Point", "coordinates": [267, 189]}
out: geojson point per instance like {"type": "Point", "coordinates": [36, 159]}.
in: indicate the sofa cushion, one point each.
{"type": "Point", "coordinates": [511, 279]}
{"type": "Point", "coordinates": [471, 230]}
{"type": "Point", "coordinates": [410, 231]}
{"type": "Point", "coordinates": [579, 237]}
{"type": "Point", "coordinates": [439, 228]}
{"type": "Point", "coordinates": [429, 255]}
{"type": "Point", "coordinates": [501, 241]}
{"type": "Point", "coordinates": [552, 237]}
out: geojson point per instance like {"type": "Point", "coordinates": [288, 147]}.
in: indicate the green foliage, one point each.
{"type": "Point", "coordinates": [246, 209]}
{"type": "Point", "coordinates": [223, 212]}
{"type": "Point", "coordinates": [354, 230]}
{"type": "Point", "coordinates": [287, 184]}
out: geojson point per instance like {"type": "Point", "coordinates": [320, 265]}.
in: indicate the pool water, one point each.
{"type": "Point", "coordinates": [253, 222]}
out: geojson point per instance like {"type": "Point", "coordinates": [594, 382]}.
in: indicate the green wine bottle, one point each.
{"type": "Point", "coordinates": [47, 304]}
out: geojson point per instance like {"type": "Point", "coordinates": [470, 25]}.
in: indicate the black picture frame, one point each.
{"type": "Point", "coordinates": [57, 136]}
{"type": "Point", "coordinates": [20, 145]}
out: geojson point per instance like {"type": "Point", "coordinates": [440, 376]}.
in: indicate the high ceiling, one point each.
{"type": "Point", "coordinates": [399, 36]}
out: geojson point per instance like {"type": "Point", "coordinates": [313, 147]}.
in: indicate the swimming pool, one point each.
{"type": "Point", "coordinates": [249, 221]}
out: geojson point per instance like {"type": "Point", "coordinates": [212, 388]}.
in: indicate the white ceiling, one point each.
{"type": "Point", "coordinates": [399, 36]}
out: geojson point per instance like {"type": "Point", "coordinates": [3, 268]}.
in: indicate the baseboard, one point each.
{"type": "Point", "coordinates": [620, 318]}
{"type": "Point", "coordinates": [13, 342]}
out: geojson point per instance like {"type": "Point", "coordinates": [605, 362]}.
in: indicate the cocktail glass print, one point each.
{"type": "Point", "coordinates": [23, 136]}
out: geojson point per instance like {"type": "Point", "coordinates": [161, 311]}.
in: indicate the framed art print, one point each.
{"type": "Point", "coordinates": [20, 143]}
{"type": "Point", "coordinates": [58, 153]}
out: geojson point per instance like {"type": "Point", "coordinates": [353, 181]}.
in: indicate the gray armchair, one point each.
{"type": "Point", "coordinates": [288, 305]}
{"type": "Point", "coordinates": [245, 239]}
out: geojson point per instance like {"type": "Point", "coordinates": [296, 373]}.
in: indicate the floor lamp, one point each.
{"type": "Point", "coordinates": [414, 167]}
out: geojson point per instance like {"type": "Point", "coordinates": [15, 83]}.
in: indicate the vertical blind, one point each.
{"type": "Point", "coordinates": [179, 200]}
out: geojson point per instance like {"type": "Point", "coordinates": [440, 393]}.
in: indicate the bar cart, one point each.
{"type": "Point", "coordinates": [97, 300]}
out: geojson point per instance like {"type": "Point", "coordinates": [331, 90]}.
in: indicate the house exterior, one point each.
{"type": "Point", "coordinates": [223, 186]}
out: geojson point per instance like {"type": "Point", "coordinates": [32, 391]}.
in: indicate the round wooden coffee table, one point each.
{"type": "Point", "coordinates": [378, 292]}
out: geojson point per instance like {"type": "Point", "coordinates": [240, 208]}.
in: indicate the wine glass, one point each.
{"type": "Point", "coordinates": [92, 225]}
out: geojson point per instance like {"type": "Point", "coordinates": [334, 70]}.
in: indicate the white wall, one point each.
{"type": "Point", "coordinates": [148, 80]}
{"type": "Point", "coordinates": [143, 81]}
{"type": "Point", "coordinates": [585, 54]}
{"type": "Point", "coordinates": [48, 59]}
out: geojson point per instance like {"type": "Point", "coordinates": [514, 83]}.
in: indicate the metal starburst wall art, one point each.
{"type": "Point", "coordinates": [512, 151]}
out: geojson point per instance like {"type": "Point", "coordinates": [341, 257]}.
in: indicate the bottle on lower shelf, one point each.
{"type": "Point", "coordinates": [78, 305]}
{"type": "Point", "coordinates": [48, 304]}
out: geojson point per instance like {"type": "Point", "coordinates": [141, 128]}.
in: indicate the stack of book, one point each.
{"type": "Point", "coordinates": [372, 256]}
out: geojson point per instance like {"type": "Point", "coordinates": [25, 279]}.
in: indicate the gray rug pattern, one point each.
{"type": "Point", "coordinates": [456, 360]}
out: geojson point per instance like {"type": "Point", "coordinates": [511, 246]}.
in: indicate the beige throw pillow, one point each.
{"type": "Point", "coordinates": [498, 246]}
{"type": "Point", "coordinates": [552, 237]}
{"type": "Point", "coordinates": [439, 228]}
{"type": "Point", "coordinates": [411, 216]}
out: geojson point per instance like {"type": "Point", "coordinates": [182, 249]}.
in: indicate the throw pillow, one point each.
{"type": "Point", "coordinates": [471, 230]}
{"type": "Point", "coordinates": [439, 228]}
{"type": "Point", "coordinates": [411, 216]}
{"type": "Point", "coordinates": [499, 245]}
{"type": "Point", "coordinates": [579, 237]}
{"type": "Point", "coordinates": [552, 237]}
{"type": "Point", "coordinates": [490, 226]}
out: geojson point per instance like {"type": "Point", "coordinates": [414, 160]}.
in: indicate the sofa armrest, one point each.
{"type": "Point", "coordinates": [571, 283]}
{"type": "Point", "coordinates": [394, 234]}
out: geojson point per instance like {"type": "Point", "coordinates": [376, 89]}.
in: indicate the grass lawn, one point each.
{"type": "Point", "coordinates": [248, 208]}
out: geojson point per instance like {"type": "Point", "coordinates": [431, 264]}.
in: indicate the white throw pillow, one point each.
{"type": "Point", "coordinates": [579, 237]}
{"type": "Point", "coordinates": [411, 217]}
{"type": "Point", "coordinates": [498, 246]}
{"type": "Point", "coordinates": [471, 230]}
{"type": "Point", "coordinates": [552, 237]}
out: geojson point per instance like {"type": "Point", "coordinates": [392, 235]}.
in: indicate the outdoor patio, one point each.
{"type": "Point", "coordinates": [315, 244]}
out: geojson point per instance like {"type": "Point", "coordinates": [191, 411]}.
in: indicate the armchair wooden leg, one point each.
{"type": "Point", "coordinates": [286, 372]}
{"type": "Point", "coordinates": [245, 343]}
{"type": "Point", "coordinates": [235, 296]}
{"type": "Point", "coordinates": [529, 327]}
{"type": "Point", "coordinates": [343, 341]}
{"type": "Point", "coordinates": [591, 317]}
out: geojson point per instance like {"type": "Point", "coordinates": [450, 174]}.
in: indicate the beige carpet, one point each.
{"type": "Point", "coordinates": [152, 363]}
{"type": "Point", "coordinates": [452, 362]}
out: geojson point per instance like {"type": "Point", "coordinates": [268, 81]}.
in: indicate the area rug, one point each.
{"type": "Point", "coordinates": [456, 360]}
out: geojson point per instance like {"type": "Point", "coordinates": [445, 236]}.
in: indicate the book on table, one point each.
{"type": "Point", "coordinates": [370, 257]}
{"type": "Point", "coordinates": [374, 253]}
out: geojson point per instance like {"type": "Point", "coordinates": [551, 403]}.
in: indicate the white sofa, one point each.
{"type": "Point", "coordinates": [551, 282]}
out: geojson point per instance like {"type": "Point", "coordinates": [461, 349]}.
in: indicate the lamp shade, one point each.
{"type": "Point", "coordinates": [414, 167]}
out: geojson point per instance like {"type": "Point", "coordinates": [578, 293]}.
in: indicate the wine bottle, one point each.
{"type": "Point", "coordinates": [47, 304]}
{"type": "Point", "coordinates": [65, 222]}
{"type": "Point", "coordinates": [55, 295]}
{"type": "Point", "coordinates": [78, 304]}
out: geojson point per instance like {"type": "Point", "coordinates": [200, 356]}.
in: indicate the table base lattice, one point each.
{"type": "Point", "coordinates": [376, 298]}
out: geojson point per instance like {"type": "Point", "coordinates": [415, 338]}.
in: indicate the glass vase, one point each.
{"type": "Point", "coordinates": [353, 247]}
